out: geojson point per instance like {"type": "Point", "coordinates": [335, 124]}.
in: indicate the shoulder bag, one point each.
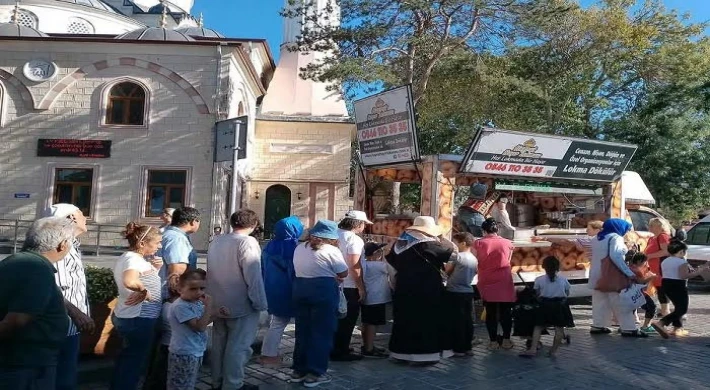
{"type": "Point", "coordinates": [611, 278]}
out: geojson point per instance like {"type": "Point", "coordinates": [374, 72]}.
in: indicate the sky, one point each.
{"type": "Point", "coordinates": [260, 18]}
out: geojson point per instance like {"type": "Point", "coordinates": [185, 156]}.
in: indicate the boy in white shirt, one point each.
{"type": "Point", "coordinates": [377, 284]}
{"type": "Point", "coordinates": [459, 294]}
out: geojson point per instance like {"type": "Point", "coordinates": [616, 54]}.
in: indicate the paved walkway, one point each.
{"type": "Point", "coordinates": [601, 362]}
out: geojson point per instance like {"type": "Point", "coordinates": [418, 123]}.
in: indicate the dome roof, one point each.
{"type": "Point", "coordinates": [155, 34]}
{"type": "Point", "coordinates": [200, 32]}
{"type": "Point", "coordinates": [16, 30]}
{"type": "Point", "coordinates": [98, 4]}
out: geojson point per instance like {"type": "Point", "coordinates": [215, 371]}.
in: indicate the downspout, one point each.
{"type": "Point", "coordinates": [217, 169]}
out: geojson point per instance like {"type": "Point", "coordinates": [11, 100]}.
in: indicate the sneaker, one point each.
{"type": "Point", "coordinates": [660, 329]}
{"type": "Point", "coordinates": [297, 377]}
{"type": "Point", "coordinates": [649, 330]}
{"type": "Point", "coordinates": [635, 334]}
{"type": "Point", "coordinates": [315, 381]}
{"type": "Point", "coordinates": [595, 330]}
{"type": "Point", "coordinates": [351, 357]}
{"type": "Point", "coordinates": [375, 353]}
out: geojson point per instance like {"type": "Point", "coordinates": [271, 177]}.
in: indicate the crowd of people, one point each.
{"type": "Point", "coordinates": [324, 281]}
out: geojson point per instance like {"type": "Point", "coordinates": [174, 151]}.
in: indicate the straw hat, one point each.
{"type": "Point", "coordinates": [425, 225]}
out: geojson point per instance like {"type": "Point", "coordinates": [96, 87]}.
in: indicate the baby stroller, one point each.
{"type": "Point", "coordinates": [525, 312]}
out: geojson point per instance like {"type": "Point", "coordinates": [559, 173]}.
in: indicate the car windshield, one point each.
{"type": "Point", "coordinates": [699, 234]}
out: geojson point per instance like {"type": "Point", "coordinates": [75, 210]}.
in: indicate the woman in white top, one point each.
{"type": "Point", "coordinates": [318, 264]}
{"type": "Point", "coordinates": [676, 271]}
{"type": "Point", "coordinates": [139, 304]}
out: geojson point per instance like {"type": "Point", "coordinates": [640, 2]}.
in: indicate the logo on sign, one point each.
{"type": "Point", "coordinates": [379, 110]}
{"type": "Point", "coordinates": [527, 149]}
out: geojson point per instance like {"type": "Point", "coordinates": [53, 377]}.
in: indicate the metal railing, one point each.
{"type": "Point", "coordinates": [104, 237]}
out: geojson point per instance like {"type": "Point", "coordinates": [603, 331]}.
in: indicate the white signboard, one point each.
{"type": "Point", "coordinates": [511, 153]}
{"type": "Point", "coordinates": [385, 128]}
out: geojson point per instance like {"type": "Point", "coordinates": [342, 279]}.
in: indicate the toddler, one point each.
{"type": "Point", "coordinates": [376, 278]}
{"type": "Point", "coordinates": [638, 263]}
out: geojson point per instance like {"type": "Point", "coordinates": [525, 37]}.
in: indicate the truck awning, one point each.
{"type": "Point", "coordinates": [634, 190]}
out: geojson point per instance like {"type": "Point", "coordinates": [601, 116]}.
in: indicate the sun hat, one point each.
{"type": "Point", "coordinates": [62, 210]}
{"type": "Point", "coordinates": [426, 225]}
{"type": "Point", "coordinates": [372, 247]}
{"type": "Point", "coordinates": [325, 229]}
{"type": "Point", "coordinates": [358, 216]}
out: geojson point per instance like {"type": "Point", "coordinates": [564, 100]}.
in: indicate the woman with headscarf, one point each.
{"type": "Point", "coordinates": [419, 327]}
{"type": "Point", "coordinates": [610, 243]}
{"type": "Point", "coordinates": [278, 273]}
{"type": "Point", "coordinates": [495, 283]}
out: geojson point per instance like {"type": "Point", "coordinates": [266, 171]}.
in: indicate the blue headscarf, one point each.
{"type": "Point", "coordinates": [614, 225]}
{"type": "Point", "coordinates": [277, 266]}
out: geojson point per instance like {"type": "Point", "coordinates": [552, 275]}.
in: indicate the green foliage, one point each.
{"type": "Point", "coordinates": [101, 286]}
{"type": "Point", "coordinates": [617, 70]}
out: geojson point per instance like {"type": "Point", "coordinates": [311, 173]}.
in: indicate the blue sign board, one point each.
{"type": "Point", "coordinates": [22, 196]}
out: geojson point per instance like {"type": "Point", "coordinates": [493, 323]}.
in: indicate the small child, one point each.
{"type": "Point", "coordinates": [638, 262]}
{"type": "Point", "coordinates": [554, 310]}
{"type": "Point", "coordinates": [376, 278]}
{"type": "Point", "coordinates": [459, 293]}
{"type": "Point", "coordinates": [676, 271]}
{"type": "Point", "coordinates": [189, 317]}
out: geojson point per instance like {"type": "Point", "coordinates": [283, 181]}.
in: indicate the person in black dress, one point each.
{"type": "Point", "coordinates": [419, 329]}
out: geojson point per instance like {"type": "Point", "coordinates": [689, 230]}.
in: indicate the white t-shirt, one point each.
{"type": "Point", "coordinates": [670, 267]}
{"type": "Point", "coordinates": [376, 278]}
{"type": "Point", "coordinates": [548, 289]}
{"type": "Point", "coordinates": [326, 262]}
{"type": "Point", "coordinates": [350, 244]}
{"type": "Point", "coordinates": [128, 261]}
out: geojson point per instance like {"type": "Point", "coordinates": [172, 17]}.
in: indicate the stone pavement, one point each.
{"type": "Point", "coordinates": [600, 362]}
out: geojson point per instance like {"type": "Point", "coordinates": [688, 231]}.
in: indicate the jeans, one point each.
{"type": "Point", "coordinates": [138, 335]}
{"type": "Point", "coordinates": [231, 349]}
{"type": "Point", "coordinates": [28, 378]}
{"type": "Point", "coordinates": [157, 376]}
{"type": "Point", "coordinates": [499, 312]}
{"type": "Point", "coordinates": [460, 307]}
{"type": "Point", "coordinates": [677, 291]}
{"type": "Point", "coordinates": [316, 302]}
{"type": "Point", "coordinates": [272, 340]}
{"type": "Point", "coordinates": [346, 326]}
{"type": "Point", "coordinates": [606, 303]}
{"type": "Point", "coordinates": [67, 363]}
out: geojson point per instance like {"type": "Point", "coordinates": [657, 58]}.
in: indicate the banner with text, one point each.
{"type": "Point", "coordinates": [386, 132]}
{"type": "Point", "coordinates": [511, 153]}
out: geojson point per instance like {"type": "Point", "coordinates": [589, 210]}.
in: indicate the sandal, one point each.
{"type": "Point", "coordinates": [493, 346]}
{"type": "Point", "coordinates": [595, 330]}
{"type": "Point", "coordinates": [507, 344]}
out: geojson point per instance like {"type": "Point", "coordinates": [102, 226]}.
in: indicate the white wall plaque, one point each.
{"type": "Point", "coordinates": [300, 148]}
{"type": "Point", "coordinates": [40, 70]}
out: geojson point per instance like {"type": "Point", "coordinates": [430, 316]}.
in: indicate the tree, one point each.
{"type": "Point", "coordinates": [672, 130]}
{"type": "Point", "coordinates": [395, 42]}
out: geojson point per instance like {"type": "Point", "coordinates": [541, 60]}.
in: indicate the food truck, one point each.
{"type": "Point", "coordinates": [555, 186]}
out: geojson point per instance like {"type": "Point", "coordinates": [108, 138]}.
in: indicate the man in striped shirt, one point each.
{"type": "Point", "coordinates": [71, 279]}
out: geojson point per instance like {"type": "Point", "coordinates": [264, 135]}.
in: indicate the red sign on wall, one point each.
{"type": "Point", "coordinates": [82, 148]}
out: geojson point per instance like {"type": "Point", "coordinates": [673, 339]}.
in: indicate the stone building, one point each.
{"type": "Point", "coordinates": [111, 105]}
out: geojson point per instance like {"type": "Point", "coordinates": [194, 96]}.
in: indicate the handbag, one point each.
{"type": "Point", "coordinates": [342, 303]}
{"type": "Point", "coordinates": [632, 298]}
{"type": "Point", "coordinates": [444, 276]}
{"type": "Point", "coordinates": [611, 278]}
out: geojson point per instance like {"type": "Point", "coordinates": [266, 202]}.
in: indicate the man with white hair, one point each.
{"type": "Point", "coordinates": [33, 318]}
{"type": "Point", "coordinates": [71, 280]}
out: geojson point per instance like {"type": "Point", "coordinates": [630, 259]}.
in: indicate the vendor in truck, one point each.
{"type": "Point", "coordinates": [472, 213]}
{"type": "Point", "coordinates": [500, 214]}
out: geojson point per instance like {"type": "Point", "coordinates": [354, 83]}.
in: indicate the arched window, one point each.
{"type": "Point", "coordinates": [27, 19]}
{"type": "Point", "coordinates": [126, 104]}
{"type": "Point", "coordinates": [240, 109]}
{"type": "Point", "coordinates": [79, 26]}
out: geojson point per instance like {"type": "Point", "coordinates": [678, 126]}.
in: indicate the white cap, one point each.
{"type": "Point", "coordinates": [62, 210]}
{"type": "Point", "coordinates": [358, 216]}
